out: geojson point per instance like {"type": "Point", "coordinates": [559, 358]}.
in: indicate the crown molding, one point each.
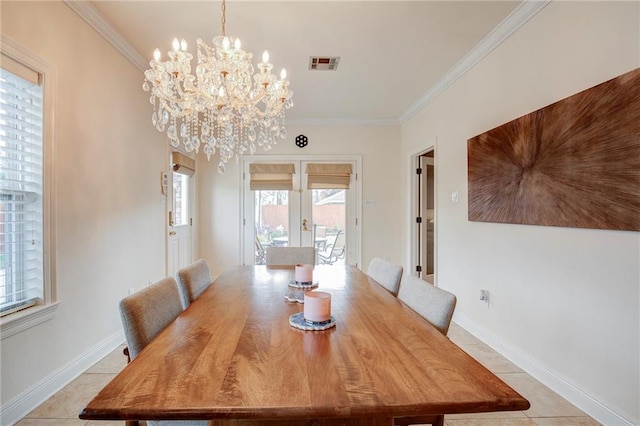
{"type": "Point", "coordinates": [90, 14]}
{"type": "Point", "coordinates": [518, 17]}
{"type": "Point", "coordinates": [342, 122]}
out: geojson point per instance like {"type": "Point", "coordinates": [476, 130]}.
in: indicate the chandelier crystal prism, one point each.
{"type": "Point", "coordinates": [225, 106]}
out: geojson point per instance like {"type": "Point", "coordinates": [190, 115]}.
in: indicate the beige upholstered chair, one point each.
{"type": "Point", "coordinates": [291, 255]}
{"type": "Point", "coordinates": [193, 280]}
{"type": "Point", "coordinates": [432, 303]}
{"type": "Point", "coordinates": [436, 306]}
{"type": "Point", "coordinates": [144, 315]}
{"type": "Point", "coordinates": [385, 273]}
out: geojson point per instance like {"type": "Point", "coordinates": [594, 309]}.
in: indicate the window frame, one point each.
{"type": "Point", "coordinates": [19, 321]}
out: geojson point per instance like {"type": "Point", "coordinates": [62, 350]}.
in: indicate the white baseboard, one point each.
{"type": "Point", "coordinates": [26, 402]}
{"type": "Point", "coordinates": [553, 380]}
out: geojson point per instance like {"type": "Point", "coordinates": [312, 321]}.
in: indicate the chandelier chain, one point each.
{"type": "Point", "coordinates": [224, 17]}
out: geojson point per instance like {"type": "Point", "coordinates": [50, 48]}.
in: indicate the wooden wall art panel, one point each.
{"type": "Point", "coordinates": [574, 163]}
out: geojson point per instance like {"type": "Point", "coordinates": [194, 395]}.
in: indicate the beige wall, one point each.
{"type": "Point", "coordinates": [565, 299]}
{"type": "Point", "coordinates": [110, 220]}
{"type": "Point", "coordinates": [219, 195]}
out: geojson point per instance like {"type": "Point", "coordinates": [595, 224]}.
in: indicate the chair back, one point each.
{"type": "Point", "coordinates": [430, 302]}
{"type": "Point", "coordinates": [193, 280]}
{"type": "Point", "coordinates": [320, 230]}
{"type": "Point", "coordinates": [385, 273]}
{"type": "Point", "coordinates": [332, 250]}
{"type": "Point", "coordinates": [291, 255]}
{"type": "Point", "coordinates": [339, 246]}
{"type": "Point", "coordinates": [261, 253]}
{"type": "Point", "coordinates": [146, 313]}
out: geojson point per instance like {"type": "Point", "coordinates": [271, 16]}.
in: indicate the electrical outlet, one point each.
{"type": "Point", "coordinates": [221, 261]}
{"type": "Point", "coordinates": [131, 291]}
{"type": "Point", "coordinates": [484, 296]}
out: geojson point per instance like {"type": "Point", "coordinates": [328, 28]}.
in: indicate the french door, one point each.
{"type": "Point", "coordinates": [326, 218]}
{"type": "Point", "coordinates": [180, 196]}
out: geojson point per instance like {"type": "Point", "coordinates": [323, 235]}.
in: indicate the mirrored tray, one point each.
{"type": "Point", "coordinates": [296, 284]}
{"type": "Point", "coordinates": [298, 321]}
{"type": "Point", "coordinates": [295, 296]}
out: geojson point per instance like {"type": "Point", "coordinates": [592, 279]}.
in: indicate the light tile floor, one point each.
{"type": "Point", "coordinates": [547, 407]}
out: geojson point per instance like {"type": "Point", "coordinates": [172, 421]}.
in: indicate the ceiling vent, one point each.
{"type": "Point", "coordinates": [324, 63]}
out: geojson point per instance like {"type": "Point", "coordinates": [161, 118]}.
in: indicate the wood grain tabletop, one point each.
{"type": "Point", "coordinates": [233, 357]}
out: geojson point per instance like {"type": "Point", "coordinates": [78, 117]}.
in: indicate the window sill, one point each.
{"type": "Point", "coordinates": [27, 318]}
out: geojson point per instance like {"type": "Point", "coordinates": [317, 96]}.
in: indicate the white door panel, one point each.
{"type": "Point", "coordinates": [180, 205]}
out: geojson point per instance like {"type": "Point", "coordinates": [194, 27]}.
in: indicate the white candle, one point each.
{"type": "Point", "coordinates": [317, 306]}
{"type": "Point", "coordinates": [304, 273]}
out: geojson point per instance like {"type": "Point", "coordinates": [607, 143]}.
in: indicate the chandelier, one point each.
{"type": "Point", "coordinates": [225, 106]}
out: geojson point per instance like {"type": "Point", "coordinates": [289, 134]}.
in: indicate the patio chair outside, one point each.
{"type": "Point", "coordinates": [334, 249]}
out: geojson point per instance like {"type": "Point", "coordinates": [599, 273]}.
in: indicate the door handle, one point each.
{"type": "Point", "coordinates": [172, 233]}
{"type": "Point", "coordinates": [304, 225]}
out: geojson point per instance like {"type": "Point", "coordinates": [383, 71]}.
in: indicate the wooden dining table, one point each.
{"type": "Point", "coordinates": [232, 358]}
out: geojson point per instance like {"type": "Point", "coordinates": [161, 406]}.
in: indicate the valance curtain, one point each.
{"type": "Point", "coordinates": [20, 70]}
{"type": "Point", "coordinates": [266, 176]}
{"type": "Point", "coordinates": [183, 164]}
{"type": "Point", "coordinates": [328, 176]}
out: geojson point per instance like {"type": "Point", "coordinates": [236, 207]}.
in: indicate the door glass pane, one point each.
{"type": "Point", "coordinates": [430, 264]}
{"type": "Point", "coordinates": [271, 221]}
{"type": "Point", "coordinates": [329, 224]}
{"type": "Point", "coordinates": [180, 199]}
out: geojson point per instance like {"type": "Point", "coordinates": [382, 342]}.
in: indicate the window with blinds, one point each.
{"type": "Point", "coordinates": [21, 187]}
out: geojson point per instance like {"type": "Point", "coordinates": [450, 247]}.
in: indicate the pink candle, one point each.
{"type": "Point", "coordinates": [304, 273]}
{"type": "Point", "coordinates": [317, 306]}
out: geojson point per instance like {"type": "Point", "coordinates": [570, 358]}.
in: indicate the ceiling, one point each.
{"type": "Point", "coordinates": [391, 53]}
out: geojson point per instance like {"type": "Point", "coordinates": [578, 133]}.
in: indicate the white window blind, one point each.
{"type": "Point", "coordinates": [21, 187]}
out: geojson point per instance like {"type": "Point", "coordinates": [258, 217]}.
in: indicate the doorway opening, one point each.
{"type": "Point", "coordinates": [180, 193]}
{"type": "Point", "coordinates": [319, 208]}
{"type": "Point", "coordinates": [323, 223]}
{"type": "Point", "coordinates": [425, 250]}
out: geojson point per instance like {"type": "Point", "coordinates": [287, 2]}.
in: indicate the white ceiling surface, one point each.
{"type": "Point", "coordinates": [391, 52]}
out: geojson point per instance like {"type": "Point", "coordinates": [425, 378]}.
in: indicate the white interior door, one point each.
{"type": "Point", "coordinates": [180, 196]}
{"type": "Point", "coordinates": [325, 218]}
